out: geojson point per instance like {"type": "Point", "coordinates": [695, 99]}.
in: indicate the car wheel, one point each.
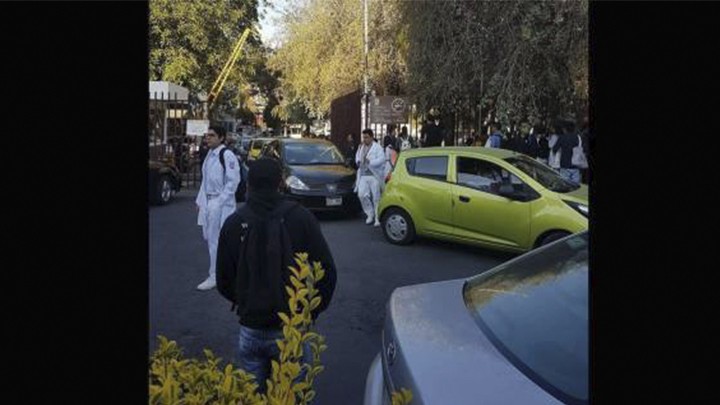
{"type": "Point", "coordinates": [398, 227]}
{"type": "Point", "coordinates": [165, 190]}
{"type": "Point", "coordinates": [552, 237]}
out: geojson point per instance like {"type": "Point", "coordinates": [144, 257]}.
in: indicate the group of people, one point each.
{"type": "Point", "coordinates": [563, 147]}
{"type": "Point", "coordinates": [251, 246]}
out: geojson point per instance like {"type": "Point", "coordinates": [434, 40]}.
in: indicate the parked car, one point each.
{"type": "Point", "coordinates": [256, 147]}
{"type": "Point", "coordinates": [493, 198]}
{"type": "Point", "coordinates": [516, 334]}
{"type": "Point", "coordinates": [315, 173]}
{"type": "Point", "coordinates": [164, 180]}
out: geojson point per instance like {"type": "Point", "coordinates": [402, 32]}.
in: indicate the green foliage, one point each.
{"type": "Point", "coordinates": [190, 42]}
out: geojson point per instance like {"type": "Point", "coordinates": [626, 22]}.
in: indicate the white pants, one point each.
{"type": "Point", "coordinates": [212, 229]}
{"type": "Point", "coordinates": [369, 195]}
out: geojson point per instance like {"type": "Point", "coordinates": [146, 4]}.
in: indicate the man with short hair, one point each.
{"type": "Point", "coordinates": [251, 265]}
{"type": "Point", "coordinates": [370, 160]}
{"type": "Point", "coordinates": [216, 198]}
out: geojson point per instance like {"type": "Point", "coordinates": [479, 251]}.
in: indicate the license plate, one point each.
{"type": "Point", "coordinates": [333, 201]}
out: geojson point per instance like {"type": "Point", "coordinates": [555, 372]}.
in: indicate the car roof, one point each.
{"type": "Point", "coordinates": [477, 150]}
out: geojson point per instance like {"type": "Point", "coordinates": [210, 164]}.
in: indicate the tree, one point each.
{"type": "Point", "coordinates": [190, 42]}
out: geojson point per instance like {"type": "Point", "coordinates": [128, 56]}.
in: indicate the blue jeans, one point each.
{"type": "Point", "coordinates": [258, 347]}
{"type": "Point", "coordinates": [571, 174]}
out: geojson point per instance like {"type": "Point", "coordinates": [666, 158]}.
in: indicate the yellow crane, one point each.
{"type": "Point", "coordinates": [225, 72]}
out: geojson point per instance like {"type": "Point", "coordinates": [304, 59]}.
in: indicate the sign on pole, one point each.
{"type": "Point", "coordinates": [388, 110]}
{"type": "Point", "coordinates": [197, 127]}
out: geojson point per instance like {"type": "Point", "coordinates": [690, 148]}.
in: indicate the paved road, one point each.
{"type": "Point", "coordinates": [369, 269]}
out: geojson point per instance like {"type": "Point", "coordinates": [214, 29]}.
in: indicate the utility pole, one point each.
{"type": "Point", "coordinates": [366, 90]}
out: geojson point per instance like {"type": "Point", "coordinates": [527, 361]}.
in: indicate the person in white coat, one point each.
{"type": "Point", "coordinates": [370, 160]}
{"type": "Point", "coordinates": [216, 198]}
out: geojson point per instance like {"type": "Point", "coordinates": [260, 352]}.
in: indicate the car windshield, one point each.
{"type": "Point", "coordinates": [312, 154]}
{"type": "Point", "coordinates": [535, 311]}
{"type": "Point", "coordinates": [544, 175]}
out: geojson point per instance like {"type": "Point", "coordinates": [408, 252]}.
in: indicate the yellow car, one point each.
{"type": "Point", "coordinates": [493, 198]}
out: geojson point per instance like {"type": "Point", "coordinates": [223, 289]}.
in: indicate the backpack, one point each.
{"type": "Point", "coordinates": [257, 288]}
{"type": "Point", "coordinates": [242, 187]}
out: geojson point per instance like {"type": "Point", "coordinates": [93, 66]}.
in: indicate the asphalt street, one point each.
{"type": "Point", "coordinates": [369, 269]}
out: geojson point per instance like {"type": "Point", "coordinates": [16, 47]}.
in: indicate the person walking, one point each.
{"type": "Point", "coordinates": [370, 160]}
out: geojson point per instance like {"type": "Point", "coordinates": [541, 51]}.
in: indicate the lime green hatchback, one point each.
{"type": "Point", "coordinates": [493, 198]}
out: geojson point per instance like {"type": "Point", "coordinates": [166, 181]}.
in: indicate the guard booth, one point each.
{"type": "Point", "coordinates": [167, 115]}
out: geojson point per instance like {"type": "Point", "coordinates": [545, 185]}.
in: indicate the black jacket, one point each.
{"type": "Point", "coordinates": [305, 236]}
{"type": "Point", "coordinates": [434, 136]}
{"type": "Point", "coordinates": [566, 143]}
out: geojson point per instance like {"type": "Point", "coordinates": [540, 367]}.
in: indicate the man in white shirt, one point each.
{"type": "Point", "coordinates": [216, 198]}
{"type": "Point", "coordinates": [370, 160]}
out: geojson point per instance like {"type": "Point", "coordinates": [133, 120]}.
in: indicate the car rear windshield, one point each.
{"type": "Point", "coordinates": [312, 154]}
{"type": "Point", "coordinates": [543, 174]}
{"type": "Point", "coordinates": [535, 311]}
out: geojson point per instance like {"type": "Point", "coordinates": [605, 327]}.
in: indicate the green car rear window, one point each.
{"type": "Point", "coordinates": [432, 167]}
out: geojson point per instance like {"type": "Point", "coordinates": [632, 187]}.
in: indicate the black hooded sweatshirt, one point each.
{"type": "Point", "coordinates": [305, 236]}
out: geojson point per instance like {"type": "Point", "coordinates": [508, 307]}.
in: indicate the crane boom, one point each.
{"type": "Point", "coordinates": [225, 72]}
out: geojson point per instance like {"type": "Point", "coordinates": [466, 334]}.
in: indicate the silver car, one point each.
{"type": "Point", "coordinates": [516, 334]}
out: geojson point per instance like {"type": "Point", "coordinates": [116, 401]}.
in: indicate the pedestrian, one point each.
{"type": "Point", "coordinates": [553, 156]}
{"type": "Point", "coordinates": [370, 160]}
{"type": "Point", "coordinates": [350, 150]}
{"type": "Point", "coordinates": [585, 138]}
{"type": "Point", "coordinates": [471, 139]}
{"type": "Point", "coordinates": [496, 137]}
{"type": "Point", "coordinates": [390, 137]}
{"type": "Point", "coordinates": [434, 134]}
{"type": "Point", "coordinates": [404, 142]}
{"type": "Point", "coordinates": [537, 144]}
{"type": "Point", "coordinates": [565, 144]}
{"type": "Point", "coordinates": [216, 198]}
{"type": "Point", "coordinates": [257, 245]}
{"type": "Point", "coordinates": [390, 157]}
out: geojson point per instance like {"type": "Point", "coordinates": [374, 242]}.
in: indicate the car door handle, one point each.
{"type": "Point", "coordinates": [464, 199]}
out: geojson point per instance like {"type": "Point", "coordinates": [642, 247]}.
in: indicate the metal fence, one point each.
{"type": "Point", "coordinates": [167, 121]}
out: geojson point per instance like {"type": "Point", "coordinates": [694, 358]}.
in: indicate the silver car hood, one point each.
{"type": "Point", "coordinates": [443, 356]}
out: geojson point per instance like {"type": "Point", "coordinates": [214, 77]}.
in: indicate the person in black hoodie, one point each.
{"type": "Point", "coordinates": [259, 330]}
{"type": "Point", "coordinates": [566, 142]}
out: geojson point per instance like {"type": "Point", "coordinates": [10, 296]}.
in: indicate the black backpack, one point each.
{"type": "Point", "coordinates": [242, 187]}
{"type": "Point", "coordinates": [257, 287]}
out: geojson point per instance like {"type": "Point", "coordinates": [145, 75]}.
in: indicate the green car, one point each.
{"type": "Point", "coordinates": [493, 198]}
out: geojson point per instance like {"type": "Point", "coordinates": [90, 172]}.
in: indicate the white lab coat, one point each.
{"type": "Point", "coordinates": [376, 158]}
{"type": "Point", "coordinates": [216, 197]}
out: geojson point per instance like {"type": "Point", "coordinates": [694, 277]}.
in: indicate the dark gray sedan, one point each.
{"type": "Point", "coordinates": [516, 334]}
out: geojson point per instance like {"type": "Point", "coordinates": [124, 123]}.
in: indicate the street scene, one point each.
{"type": "Point", "coordinates": [369, 269]}
{"type": "Point", "coordinates": [365, 202]}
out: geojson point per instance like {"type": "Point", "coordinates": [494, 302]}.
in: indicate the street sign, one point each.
{"type": "Point", "coordinates": [197, 127]}
{"type": "Point", "coordinates": [388, 110]}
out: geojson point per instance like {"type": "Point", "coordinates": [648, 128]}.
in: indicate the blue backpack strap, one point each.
{"type": "Point", "coordinates": [222, 158]}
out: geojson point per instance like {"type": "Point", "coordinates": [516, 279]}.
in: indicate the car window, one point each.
{"type": "Point", "coordinates": [535, 311]}
{"type": "Point", "coordinates": [321, 153]}
{"type": "Point", "coordinates": [257, 144]}
{"type": "Point", "coordinates": [543, 174]}
{"type": "Point", "coordinates": [271, 150]}
{"type": "Point", "coordinates": [432, 167]}
{"type": "Point", "coordinates": [485, 176]}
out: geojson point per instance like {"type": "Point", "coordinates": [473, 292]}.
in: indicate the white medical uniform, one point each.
{"type": "Point", "coordinates": [370, 183]}
{"type": "Point", "coordinates": [216, 198]}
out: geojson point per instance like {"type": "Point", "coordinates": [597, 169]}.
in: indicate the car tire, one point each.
{"type": "Point", "coordinates": [398, 227]}
{"type": "Point", "coordinates": [552, 237]}
{"type": "Point", "coordinates": [164, 191]}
